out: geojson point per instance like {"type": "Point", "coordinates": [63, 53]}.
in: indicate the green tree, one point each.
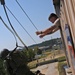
{"type": "Point", "coordinates": [2, 69]}
{"type": "Point", "coordinates": [35, 49]}
{"type": "Point", "coordinates": [29, 53]}
{"type": "Point", "coordinates": [39, 51]}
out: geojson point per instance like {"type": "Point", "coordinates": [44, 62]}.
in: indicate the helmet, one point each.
{"type": "Point", "coordinates": [4, 53]}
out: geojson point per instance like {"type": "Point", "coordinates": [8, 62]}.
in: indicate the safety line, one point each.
{"type": "Point", "coordinates": [13, 28]}
{"type": "Point", "coordinates": [20, 24]}
{"type": "Point", "coordinates": [8, 28]}
{"type": "Point", "coordinates": [27, 16]}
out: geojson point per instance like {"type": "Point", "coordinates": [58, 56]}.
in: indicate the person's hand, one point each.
{"type": "Point", "coordinates": [38, 32]}
{"type": "Point", "coordinates": [42, 35]}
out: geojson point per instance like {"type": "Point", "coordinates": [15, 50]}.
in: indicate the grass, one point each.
{"type": "Point", "coordinates": [61, 63]}
{"type": "Point", "coordinates": [61, 68]}
{"type": "Point", "coordinates": [34, 64]}
{"type": "Point", "coordinates": [61, 59]}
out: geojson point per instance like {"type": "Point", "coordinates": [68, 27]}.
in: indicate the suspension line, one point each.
{"type": "Point", "coordinates": [13, 27]}
{"type": "Point", "coordinates": [20, 24]}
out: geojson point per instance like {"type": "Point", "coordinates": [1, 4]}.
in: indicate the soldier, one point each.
{"type": "Point", "coordinates": [56, 26]}
{"type": "Point", "coordinates": [16, 62]}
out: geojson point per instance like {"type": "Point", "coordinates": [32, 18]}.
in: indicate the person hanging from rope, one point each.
{"type": "Point", "coordinates": [56, 26]}
{"type": "Point", "coordinates": [15, 62]}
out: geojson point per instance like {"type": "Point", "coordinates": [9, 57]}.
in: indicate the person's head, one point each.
{"type": "Point", "coordinates": [52, 17]}
{"type": "Point", "coordinates": [4, 53]}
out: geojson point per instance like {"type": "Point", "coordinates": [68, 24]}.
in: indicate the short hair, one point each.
{"type": "Point", "coordinates": [52, 15]}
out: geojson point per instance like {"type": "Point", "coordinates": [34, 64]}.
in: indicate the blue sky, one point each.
{"type": "Point", "coordinates": [37, 10]}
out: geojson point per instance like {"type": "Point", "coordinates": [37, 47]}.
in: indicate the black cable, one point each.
{"type": "Point", "coordinates": [20, 24]}
{"type": "Point", "coordinates": [11, 32]}
{"type": "Point", "coordinates": [13, 28]}
{"type": "Point", "coordinates": [3, 3]}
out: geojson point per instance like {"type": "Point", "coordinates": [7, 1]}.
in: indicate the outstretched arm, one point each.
{"type": "Point", "coordinates": [50, 30]}
{"type": "Point", "coordinates": [47, 31]}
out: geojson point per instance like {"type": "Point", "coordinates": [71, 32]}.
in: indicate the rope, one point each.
{"type": "Point", "coordinates": [8, 29]}
{"type": "Point", "coordinates": [20, 24]}
{"type": "Point", "coordinates": [13, 28]}
{"type": "Point", "coordinates": [27, 16]}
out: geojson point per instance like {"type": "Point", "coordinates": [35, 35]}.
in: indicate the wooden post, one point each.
{"type": "Point", "coordinates": [69, 19]}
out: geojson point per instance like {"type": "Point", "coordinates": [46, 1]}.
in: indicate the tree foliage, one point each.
{"type": "Point", "coordinates": [2, 69]}
{"type": "Point", "coordinates": [29, 53]}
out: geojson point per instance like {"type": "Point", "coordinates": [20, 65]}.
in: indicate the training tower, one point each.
{"type": "Point", "coordinates": [66, 12]}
